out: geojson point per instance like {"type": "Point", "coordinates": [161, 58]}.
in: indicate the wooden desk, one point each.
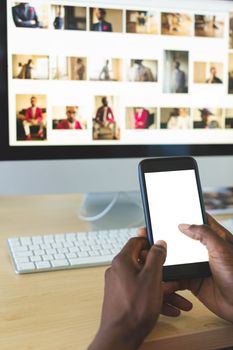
{"type": "Point", "coordinates": [61, 310]}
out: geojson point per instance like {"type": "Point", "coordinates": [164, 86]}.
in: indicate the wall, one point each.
{"type": "Point", "coordinates": [73, 176]}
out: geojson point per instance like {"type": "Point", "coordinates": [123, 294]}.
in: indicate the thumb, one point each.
{"type": "Point", "coordinates": [204, 234]}
{"type": "Point", "coordinates": [156, 258]}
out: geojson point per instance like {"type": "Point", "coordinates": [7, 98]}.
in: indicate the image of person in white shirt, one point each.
{"type": "Point", "coordinates": [179, 119]}
{"type": "Point", "coordinates": [140, 72]}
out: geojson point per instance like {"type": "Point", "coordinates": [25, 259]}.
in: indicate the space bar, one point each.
{"type": "Point", "coordinates": [92, 260]}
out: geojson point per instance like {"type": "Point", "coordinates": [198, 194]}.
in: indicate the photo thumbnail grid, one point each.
{"type": "Point", "coordinates": [109, 117]}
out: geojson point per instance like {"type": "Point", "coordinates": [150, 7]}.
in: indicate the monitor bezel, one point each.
{"type": "Point", "coordinates": [42, 152]}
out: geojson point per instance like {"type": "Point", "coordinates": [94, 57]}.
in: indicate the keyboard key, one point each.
{"type": "Point", "coordinates": [22, 260]}
{"type": "Point", "coordinates": [50, 251]}
{"type": "Point", "coordinates": [21, 248]}
{"type": "Point", "coordinates": [85, 248]}
{"type": "Point", "coordinates": [71, 255]}
{"type": "Point", "coordinates": [47, 257]}
{"type": "Point", "coordinates": [68, 244]}
{"type": "Point", "coordinates": [62, 250]}
{"type": "Point", "coordinates": [14, 242]}
{"type": "Point", "coordinates": [37, 240]}
{"type": "Point", "coordinates": [58, 245]}
{"type": "Point", "coordinates": [35, 258]}
{"type": "Point", "coordinates": [48, 239]}
{"type": "Point", "coordinates": [59, 256]}
{"type": "Point", "coordinates": [94, 253]}
{"type": "Point", "coordinates": [43, 265]}
{"type": "Point", "coordinates": [74, 249]}
{"type": "Point", "coordinates": [39, 252]}
{"type": "Point", "coordinates": [114, 251]}
{"type": "Point", "coordinates": [91, 261]}
{"type": "Point", "coordinates": [22, 254]}
{"type": "Point", "coordinates": [23, 267]}
{"type": "Point", "coordinates": [105, 252]}
{"type": "Point", "coordinates": [43, 246]}
{"type": "Point", "coordinates": [82, 254]}
{"type": "Point", "coordinates": [25, 240]}
{"type": "Point", "coordinates": [60, 263]}
{"type": "Point", "coordinates": [34, 247]}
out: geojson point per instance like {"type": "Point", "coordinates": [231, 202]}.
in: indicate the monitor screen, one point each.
{"type": "Point", "coordinates": [118, 78]}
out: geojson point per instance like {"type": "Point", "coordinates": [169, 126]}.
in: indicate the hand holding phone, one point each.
{"type": "Point", "coordinates": [171, 195]}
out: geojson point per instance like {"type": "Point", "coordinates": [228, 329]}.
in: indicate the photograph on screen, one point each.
{"type": "Point", "coordinates": [30, 67]}
{"type": "Point", "coordinates": [228, 118]}
{"type": "Point", "coordinates": [175, 118]}
{"type": "Point", "coordinates": [142, 70]}
{"type": "Point", "coordinates": [68, 118]}
{"type": "Point", "coordinates": [231, 30]}
{"type": "Point", "coordinates": [218, 200]}
{"type": "Point", "coordinates": [178, 24]}
{"type": "Point", "coordinates": [105, 69]}
{"type": "Point", "coordinates": [106, 20]}
{"type": "Point", "coordinates": [141, 22]}
{"type": "Point", "coordinates": [105, 124]}
{"type": "Point", "coordinates": [209, 26]}
{"type": "Point", "coordinates": [141, 118]}
{"type": "Point", "coordinates": [31, 117]}
{"type": "Point", "coordinates": [69, 17]}
{"type": "Point", "coordinates": [58, 16]}
{"type": "Point", "coordinates": [208, 73]}
{"type": "Point", "coordinates": [75, 18]}
{"type": "Point", "coordinates": [207, 118]}
{"type": "Point", "coordinates": [26, 15]}
{"type": "Point", "coordinates": [68, 68]}
{"type": "Point", "coordinates": [230, 74]}
{"type": "Point", "coordinates": [176, 67]}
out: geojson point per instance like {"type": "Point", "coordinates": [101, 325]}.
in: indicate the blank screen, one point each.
{"type": "Point", "coordinates": [173, 199]}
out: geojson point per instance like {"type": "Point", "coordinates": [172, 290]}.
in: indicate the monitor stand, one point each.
{"type": "Point", "coordinates": [112, 210]}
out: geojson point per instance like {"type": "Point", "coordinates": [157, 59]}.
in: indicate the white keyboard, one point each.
{"type": "Point", "coordinates": [67, 251]}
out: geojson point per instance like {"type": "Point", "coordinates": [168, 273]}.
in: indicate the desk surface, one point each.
{"type": "Point", "coordinates": [61, 310]}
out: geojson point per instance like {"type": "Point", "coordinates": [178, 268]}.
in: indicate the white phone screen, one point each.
{"type": "Point", "coordinates": [173, 199]}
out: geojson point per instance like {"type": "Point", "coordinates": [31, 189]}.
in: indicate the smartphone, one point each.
{"type": "Point", "coordinates": [171, 195]}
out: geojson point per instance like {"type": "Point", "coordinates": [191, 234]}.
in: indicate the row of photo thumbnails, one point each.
{"type": "Point", "coordinates": [32, 120]}
{"type": "Point", "coordinates": [62, 17]}
{"type": "Point", "coordinates": [176, 70]}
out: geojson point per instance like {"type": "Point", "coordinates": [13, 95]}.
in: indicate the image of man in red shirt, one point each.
{"type": "Point", "coordinates": [104, 122]}
{"type": "Point", "coordinates": [34, 117]}
{"type": "Point", "coordinates": [141, 117]}
{"type": "Point", "coordinates": [71, 121]}
{"type": "Point", "coordinates": [104, 115]}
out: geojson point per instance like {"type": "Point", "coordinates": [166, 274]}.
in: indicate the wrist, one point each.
{"type": "Point", "coordinates": [117, 337]}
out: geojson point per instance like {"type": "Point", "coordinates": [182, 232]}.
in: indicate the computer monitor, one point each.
{"type": "Point", "coordinates": [88, 88]}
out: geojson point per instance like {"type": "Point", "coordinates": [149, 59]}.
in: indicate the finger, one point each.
{"type": "Point", "coordinates": [170, 287]}
{"type": "Point", "coordinates": [155, 259]}
{"type": "Point", "coordinates": [204, 234]}
{"type": "Point", "coordinates": [194, 285]}
{"type": "Point", "coordinates": [133, 248]}
{"type": "Point", "coordinates": [169, 310]}
{"type": "Point", "coordinates": [219, 229]}
{"type": "Point", "coordinates": [141, 232]}
{"type": "Point", "coordinates": [178, 301]}
{"type": "Point", "coordinates": [162, 244]}
{"type": "Point", "coordinates": [142, 257]}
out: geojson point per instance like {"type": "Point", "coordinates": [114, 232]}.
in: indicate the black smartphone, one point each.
{"type": "Point", "coordinates": [171, 195]}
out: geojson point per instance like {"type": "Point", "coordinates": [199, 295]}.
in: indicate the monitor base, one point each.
{"type": "Point", "coordinates": [112, 210]}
